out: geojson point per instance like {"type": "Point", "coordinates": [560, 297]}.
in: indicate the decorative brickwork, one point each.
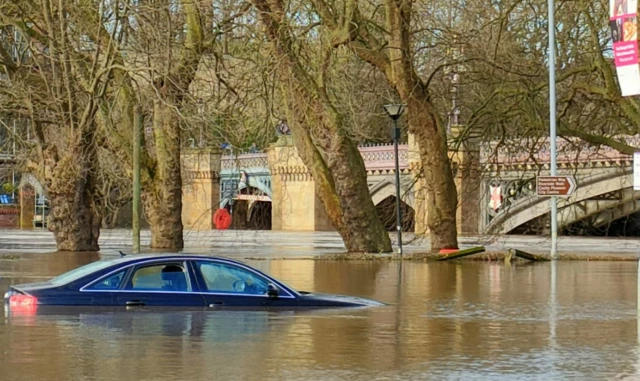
{"type": "Point", "coordinates": [247, 160]}
{"type": "Point", "coordinates": [193, 175]}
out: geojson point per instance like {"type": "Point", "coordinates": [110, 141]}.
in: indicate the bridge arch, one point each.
{"type": "Point", "coordinates": [262, 183]}
{"type": "Point", "coordinates": [385, 188]}
{"type": "Point", "coordinates": [386, 210]}
{"type": "Point", "coordinates": [30, 179]}
{"type": "Point", "coordinates": [259, 215]}
{"type": "Point", "coordinates": [571, 209]}
{"type": "Point", "coordinates": [620, 211]}
{"type": "Point", "coordinates": [246, 183]}
{"type": "Point", "coordinates": [383, 195]}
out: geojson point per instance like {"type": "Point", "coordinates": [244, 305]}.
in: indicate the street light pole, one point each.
{"type": "Point", "coordinates": [396, 138]}
{"type": "Point", "coordinates": [13, 170]}
{"type": "Point", "coordinates": [552, 123]}
{"type": "Point", "coordinates": [394, 111]}
{"type": "Point", "coordinates": [137, 146]}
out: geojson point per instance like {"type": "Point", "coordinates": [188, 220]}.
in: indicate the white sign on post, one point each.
{"type": "Point", "coordinates": [636, 171]}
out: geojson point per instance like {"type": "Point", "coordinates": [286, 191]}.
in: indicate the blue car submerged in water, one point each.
{"type": "Point", "coordinates": [170, 280]}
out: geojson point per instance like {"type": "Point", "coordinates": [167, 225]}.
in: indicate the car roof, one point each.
{"type": "Point", "coordinates": [134, 258]}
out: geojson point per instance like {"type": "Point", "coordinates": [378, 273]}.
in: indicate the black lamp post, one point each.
{"type": "Point", "coordinates": [394, 111]}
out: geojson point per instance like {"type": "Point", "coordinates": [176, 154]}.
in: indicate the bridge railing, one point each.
{"type": "Point", "coordinates": [376, 157]}
{"type": "Point", "coordinates": [572, 150]}
{"type": "Point", "coordinates": [245, 160]}
{"type": "Point", "coordinates": [512, 152]}
{"type": "Point", "coordinates": [382, 157]}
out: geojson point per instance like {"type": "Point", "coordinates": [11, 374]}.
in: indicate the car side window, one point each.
{"type": "Point", "coordinates": [160, 277]}
{"type": "Point", "coordinates": [219, 277]}
{"type": "Point", "coordinates": [111, 282]}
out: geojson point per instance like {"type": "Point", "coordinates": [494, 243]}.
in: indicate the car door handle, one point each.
{"type": "Point", "coordinates": [216, 304]}
{"type": "Point", "coordinates": [129, 303]}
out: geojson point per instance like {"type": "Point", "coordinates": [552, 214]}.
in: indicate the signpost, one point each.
{"type": "Point", "coordinates": [551, 8]}
{"type": "Point", "coordinates": [562, 186]}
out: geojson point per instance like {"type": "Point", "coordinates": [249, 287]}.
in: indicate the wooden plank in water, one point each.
{"type": "Point", "coordinates": [529, 256]}
{"type": "Point", "coordinates": [461, 253]}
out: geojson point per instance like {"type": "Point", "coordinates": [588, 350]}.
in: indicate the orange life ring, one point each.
{"type": "Point", "coordinates": [222, 219]}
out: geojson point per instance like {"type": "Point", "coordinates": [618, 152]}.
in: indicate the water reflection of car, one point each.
{"type": "Point", "coordinates": [170, 280]}
{"type": "Point", "coordinates": [220, 326]}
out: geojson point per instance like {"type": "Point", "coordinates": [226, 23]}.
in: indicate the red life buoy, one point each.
{"type": "Point", "coordinates": [222, 219]}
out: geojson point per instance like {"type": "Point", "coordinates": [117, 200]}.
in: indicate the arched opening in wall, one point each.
{"type": "Point", "coordinates": [251, 210]}
{"type": "Point", "coordinates": [239, 214]}
{"type": "Point", "coordinates": [387, 213]}
{"type": "Point", "coordinates": [260, 216]}
{"type": "Point", "coordinates": [626, 226]}
{"type": "Point", "coordinates": [609, 223]}
{"type": "Point", "coordinates": [537, 226]}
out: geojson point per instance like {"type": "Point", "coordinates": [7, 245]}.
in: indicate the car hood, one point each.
{"type": "Point", "coordinates": [319, 299]}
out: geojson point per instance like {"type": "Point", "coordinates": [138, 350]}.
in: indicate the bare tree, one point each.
{"type": "Point", "coordinates": [381, 34]}
{"type": "Point", "coordinates": [154, 63]}
{"type": "Point", "coordinates": [55, 79]}
{"type": "Point", "coordinates": [320, 130]}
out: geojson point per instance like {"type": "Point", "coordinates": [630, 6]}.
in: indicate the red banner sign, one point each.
{"type": "Point", "coordinates": [624, 34]}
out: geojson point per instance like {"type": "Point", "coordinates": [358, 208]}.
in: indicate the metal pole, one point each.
{"type": "Point", "coordinates": [396, 137]}
{"type": "Point", "coordinates": [553, 307]}
{"type": "Point", "coordinates": [552, 124]}
{"type": "Point", "coordinates": [13, 168]}
{"type": "Point", "coordinates": [137, 139]}
{"type": "Point", "coordinates": [44, 205]}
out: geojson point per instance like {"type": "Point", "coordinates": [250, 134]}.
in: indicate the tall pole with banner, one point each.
{"type": "Point", "coordinates": [636, 186]}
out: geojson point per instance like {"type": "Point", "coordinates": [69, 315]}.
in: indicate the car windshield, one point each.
{"type": "Point", "coordinates": [81, 271]}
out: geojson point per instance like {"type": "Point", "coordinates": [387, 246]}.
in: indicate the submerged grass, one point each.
{"type": "Point", "coordinates": [428, 257]}
{"type": "Point", "coordinates": [9, 256]}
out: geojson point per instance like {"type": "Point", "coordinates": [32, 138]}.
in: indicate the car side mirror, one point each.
{"type": "Point", "coordinates": [272, 291]}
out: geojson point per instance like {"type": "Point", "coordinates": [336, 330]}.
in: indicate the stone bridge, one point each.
{"type": "Point", "coordinates": [509, 203]}
{"type": "Point", "coordinates": [280, 179]}
{"type": "Point", "coordinates": [495, 183]}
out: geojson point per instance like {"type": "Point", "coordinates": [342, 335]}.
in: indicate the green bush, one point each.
{"type": "Point", "coordinates": [7, 188]}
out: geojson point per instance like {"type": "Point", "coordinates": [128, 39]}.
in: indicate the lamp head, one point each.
{"type": "Point", "coordinates": [394, 110]}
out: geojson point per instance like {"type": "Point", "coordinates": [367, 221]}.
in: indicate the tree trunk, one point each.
{"type": "Point", "coordinates": [162, 196]}
{"type": "Point", "coordinates": [393, 57]}
{"type": "Point", "coordinates": [74, 217]}
{"type": "Point", "coordinates": [322, 142]}
{"type": "Point", "coordinates": [442, 199]}
{"type": "Point", "coordinates": [362, 230]}
{"type": "Point", "coordinates": [165, 220]}
{"type": "Point", "coordinates": [341, 183]}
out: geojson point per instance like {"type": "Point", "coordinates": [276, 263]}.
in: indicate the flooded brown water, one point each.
{"type": "Point", "coordinates": [445, 321]}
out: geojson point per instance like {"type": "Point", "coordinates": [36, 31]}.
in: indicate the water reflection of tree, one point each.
{"type": "Point", "coordinates": [51, 264]}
